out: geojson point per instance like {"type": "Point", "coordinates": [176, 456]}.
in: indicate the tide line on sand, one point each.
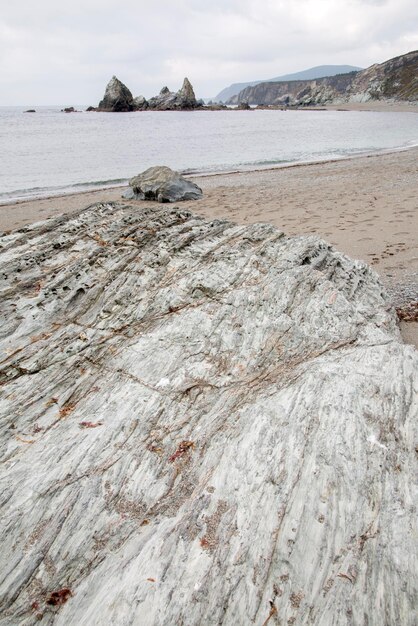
{"type": "Point", "coordinates": [365, 206]}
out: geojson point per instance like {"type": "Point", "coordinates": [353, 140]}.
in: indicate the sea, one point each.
{"type": "Point", "coordinates": [50, 152]}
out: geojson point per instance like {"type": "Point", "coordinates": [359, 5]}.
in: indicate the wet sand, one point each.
{"type": "Point", "coordinates": [375, 105]}
{"type": "Point", "coordinates": [366, 206]}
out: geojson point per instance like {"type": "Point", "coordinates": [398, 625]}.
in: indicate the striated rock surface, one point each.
{"type": "Point", "coordinates": [162, 184]}
{"type": "Point", "coordinates": [117, 97]}
{"type": "Point", "coordinates": [201, 423]}
{"type": "Point", "coordinates": [395, 79]}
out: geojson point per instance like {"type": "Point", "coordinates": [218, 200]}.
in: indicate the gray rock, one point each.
{"type": "Point", "coordinates": [186, 96]}
{"type": "Point", "coordinates": [140, 103]}
{"type": "Point", "coordinates": [167, 100]}
{"type": "Point", "coordinates": [117, 97]}
{"type": "Point", "coordinates": [162, 184]}
{"type": "Point", "coordinates": [201, 423]}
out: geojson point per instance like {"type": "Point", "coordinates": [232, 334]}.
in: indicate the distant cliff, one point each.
{"type": "Point", "coordinates": [319, 71]}
{"type": "Point", "coordinates": [396, 79]}
{"type": "Point", "coordinates": [292, 92]}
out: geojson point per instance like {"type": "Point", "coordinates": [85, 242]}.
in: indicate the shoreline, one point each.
{"type": "Point", "coordinates": [377, 106]}
{"type": "Point", "coordinates": [218, 174]}
{"type": "Point", "coordinates": [403, 106]}
{"type": "Point", "coordinates": [365, 206]}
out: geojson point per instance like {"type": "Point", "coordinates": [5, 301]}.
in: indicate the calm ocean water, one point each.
{"type": "Point", "coordinates": [49, 152]}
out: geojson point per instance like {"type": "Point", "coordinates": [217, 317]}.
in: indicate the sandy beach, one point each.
{"type": "Point", "coordinates": [375, 105]}
{"type": "Point", "coordinates": [366, 206]}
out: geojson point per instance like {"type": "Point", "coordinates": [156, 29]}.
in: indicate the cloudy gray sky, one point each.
{"type": "Point", "coordinates": [55, 52]}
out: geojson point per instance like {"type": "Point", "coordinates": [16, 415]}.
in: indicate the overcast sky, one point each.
{"type": "Point", "coordinates": [54, 52]}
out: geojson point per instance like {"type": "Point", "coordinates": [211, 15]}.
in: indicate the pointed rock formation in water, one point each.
{"type": "Point", "coordinates": [162, 184]}
{"type": "Point", "coordinates": [117, 97]}
{"type": "Point", "coordinates": [201, 423]}
{"type": "Point", "coordinates": [182, 100]}
{"type": "Point", "coordinates": [186, 97]}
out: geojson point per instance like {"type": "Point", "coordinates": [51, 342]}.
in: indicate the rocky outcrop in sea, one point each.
{"type": "Point", "coordinates": [140, 103]}
{"type": "Point", "coordinates": [167, 100]}
{"type": "Point", "coordinates": [118, 98]}
{"type": "Point", "coordinates": [201, 423]}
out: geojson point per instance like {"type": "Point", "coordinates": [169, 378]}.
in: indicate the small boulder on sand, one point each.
{"type": "Point", "coordinates": [162, 184]}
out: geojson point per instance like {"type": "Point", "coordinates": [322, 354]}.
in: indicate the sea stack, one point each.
{"type": "Point", "coordinates": [182, 100]}
{"type": "Point", "coordinates": [186, 96]}
{"type": "Point", "coordinates": [117, 97]}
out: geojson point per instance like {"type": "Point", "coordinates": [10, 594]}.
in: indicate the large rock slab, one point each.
{"type": "Point", "coordinates": [162, 184]}
{"type": "Point", "coordinates": [201, 423]}
{"type": "Point", "coordinates": [117, 97]}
